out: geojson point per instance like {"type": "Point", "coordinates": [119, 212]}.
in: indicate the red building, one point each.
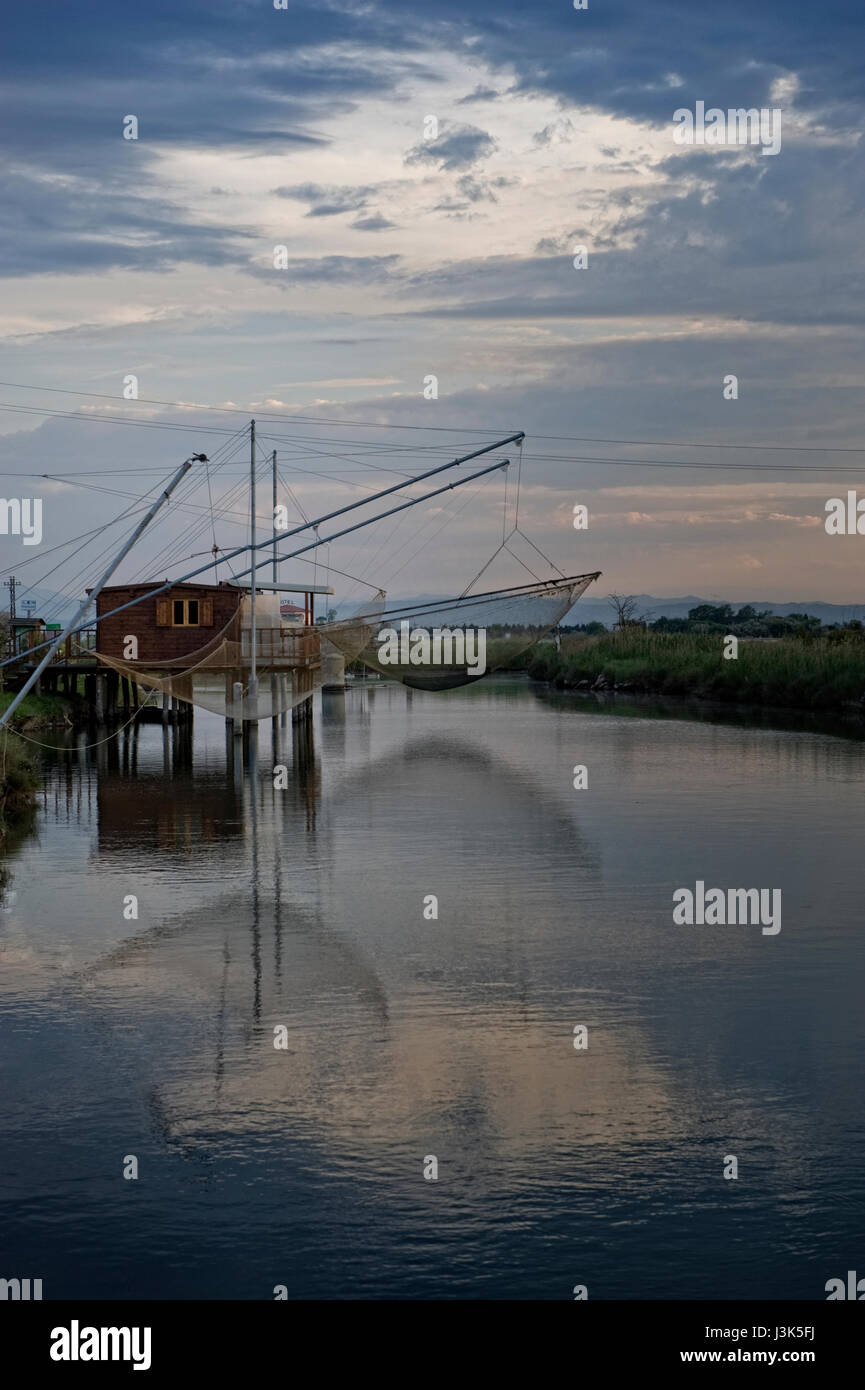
{"type": "Point", "coordinates": [168, 626]}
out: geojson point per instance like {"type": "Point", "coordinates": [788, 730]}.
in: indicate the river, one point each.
{"type": "Point", "coordinates": [300, 915]}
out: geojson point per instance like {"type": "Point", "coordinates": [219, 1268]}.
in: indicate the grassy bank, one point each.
{"type": "Point", "coordinates": [19, 775]}
{"type": "Point", "coordinates": [37, 711]}
{"type": "Point", "coordinates": [18, 783]}
{"type": "Point", "coordinates": [813, 675]}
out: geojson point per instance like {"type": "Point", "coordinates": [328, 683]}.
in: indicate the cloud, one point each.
{"type": "Point", "coordinates": [374, 223]}
{"type": "Point", "coordinates": [340, 270]}
{"type": "Point", "coordinates": [58, 226]}
{"type": "Point", "coordinates": [480, 93]}
{"type": "Point", "coordinates": [327, 200]}
{"type": "Point", "coordinates": [558, 132]}
{"type": "Point", "coordinates": [459, 148]}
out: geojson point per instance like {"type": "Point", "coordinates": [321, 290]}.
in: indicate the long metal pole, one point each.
{"type": "Point", "coordinates": [505, 463]}
{"type": "Point", "coordinates": [252, 547]}
{"type": "Point", "coordinates": [96, 591]}
{"type": "Point", "coordinates": [275, 551]}
{"type": "Point", "coordinates": [317, 521]}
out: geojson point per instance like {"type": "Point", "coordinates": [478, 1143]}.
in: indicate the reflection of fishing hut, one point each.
{"type": "Point", "coordinates": [168, 815]}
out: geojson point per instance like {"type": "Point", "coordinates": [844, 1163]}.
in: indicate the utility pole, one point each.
{"type": "Point", "coordinates": [275, 551]}
{"type": "Point", "coordinates": [11, 582]}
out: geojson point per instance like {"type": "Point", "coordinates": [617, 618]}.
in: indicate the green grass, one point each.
{"type": "Point", "coordinates": [804, 675]}
{"type": "Point", "coordinates": [48, 707]}
{"type": "Point", "coordinates": [18, 781]}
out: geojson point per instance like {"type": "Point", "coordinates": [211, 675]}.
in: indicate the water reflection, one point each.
{"type": "Point", "coordinates": [263, 906]}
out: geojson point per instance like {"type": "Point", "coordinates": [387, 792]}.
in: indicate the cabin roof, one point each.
{"type": "Point", "coordinates": [160, 583]}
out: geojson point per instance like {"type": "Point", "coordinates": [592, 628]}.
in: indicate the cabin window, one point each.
{"type": "Point", "coordinates": [185, 612]}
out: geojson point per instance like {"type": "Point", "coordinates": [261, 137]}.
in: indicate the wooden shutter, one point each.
{"type": "Point", "coordinates": [205, 612]}
{"type": "Point", "coordinates": [163, 612]}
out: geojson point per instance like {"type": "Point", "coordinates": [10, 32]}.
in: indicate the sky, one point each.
{"type": "Point", "coordinates": [327, 205]}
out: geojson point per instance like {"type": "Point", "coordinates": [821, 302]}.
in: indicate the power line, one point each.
{"type": "Point", "coordinates": [446, 429]}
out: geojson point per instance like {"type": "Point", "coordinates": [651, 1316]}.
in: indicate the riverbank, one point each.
{"type": "Point", "coordinates": [787, 673]}
{"type": "Point", "coordinates": [19, 781]}
{"type": "Point", "coordinates": [39, 711]}
{"type": "Point", "coordinates": [19, 773]}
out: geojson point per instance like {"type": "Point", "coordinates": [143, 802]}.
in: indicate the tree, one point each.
{"type": "Point", "coordinates": [625, 607]}
{"type": "Point", "coordinates": [712, 613]}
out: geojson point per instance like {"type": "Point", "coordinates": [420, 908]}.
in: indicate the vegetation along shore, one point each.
{"type": "Point", "coordinates": [785, 662]}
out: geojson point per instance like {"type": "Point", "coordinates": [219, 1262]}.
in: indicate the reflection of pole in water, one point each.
{"type": "Point", "coordinates": [277, 902]}
{"type": "Point", "coordinates": [277, 806]}
{"type": "Point", "coordinates": [303, 748]}
{"type": "Point", "coordinates": [251, 744]}
{"type": "Point", "coordinates": [220, 1021]}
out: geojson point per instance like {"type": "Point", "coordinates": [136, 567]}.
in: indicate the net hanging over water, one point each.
{"type": "Point", "coordinates": [437, 645]}
{"type": "Point", "coordinates": [292, 662]}
{"type": "Point", "coordinates": [447, 643]}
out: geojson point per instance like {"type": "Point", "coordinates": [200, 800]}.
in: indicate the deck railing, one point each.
{"type": "Point", "coordinates": [295, 646]}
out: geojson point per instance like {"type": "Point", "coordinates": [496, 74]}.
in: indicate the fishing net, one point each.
{"type": "Point", "coordinates": [436, 645]}
{"type": "Point", "coordinates": [292, 662]}
{"type": "Point", "coordinates": [446, 643]}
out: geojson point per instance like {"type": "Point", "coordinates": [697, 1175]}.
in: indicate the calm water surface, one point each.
{"type": "Point", "coordinates": [406, 1038]}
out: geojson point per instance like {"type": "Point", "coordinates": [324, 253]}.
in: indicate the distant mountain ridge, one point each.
{"type": "Point", "coordinates": [592, 609]}
{"type": "Point", "coordinates": [589, 609]}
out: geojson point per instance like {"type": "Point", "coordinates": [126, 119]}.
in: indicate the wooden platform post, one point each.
{"type": "Point", "coordinates": [99, 689]}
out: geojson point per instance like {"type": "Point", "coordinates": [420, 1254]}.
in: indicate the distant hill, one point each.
{"type": "Point", "coordinates": [590, 608]}
{"type": "Point", "coordinates": [593, 609]}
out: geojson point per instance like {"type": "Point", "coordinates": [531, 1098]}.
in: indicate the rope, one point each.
{"type": "Point", "coordinates": [98, 744]}
{"type": "Point", "coordinates": [474, 581]}
{"type": "Point", "coordinates": [524, 565]}
{"type": "Point", "coordinates": [519, 480]}
{"type": "Point", "coordinates": [505, 509]}
{"type": "Point", "coordinates": [518, 532]}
